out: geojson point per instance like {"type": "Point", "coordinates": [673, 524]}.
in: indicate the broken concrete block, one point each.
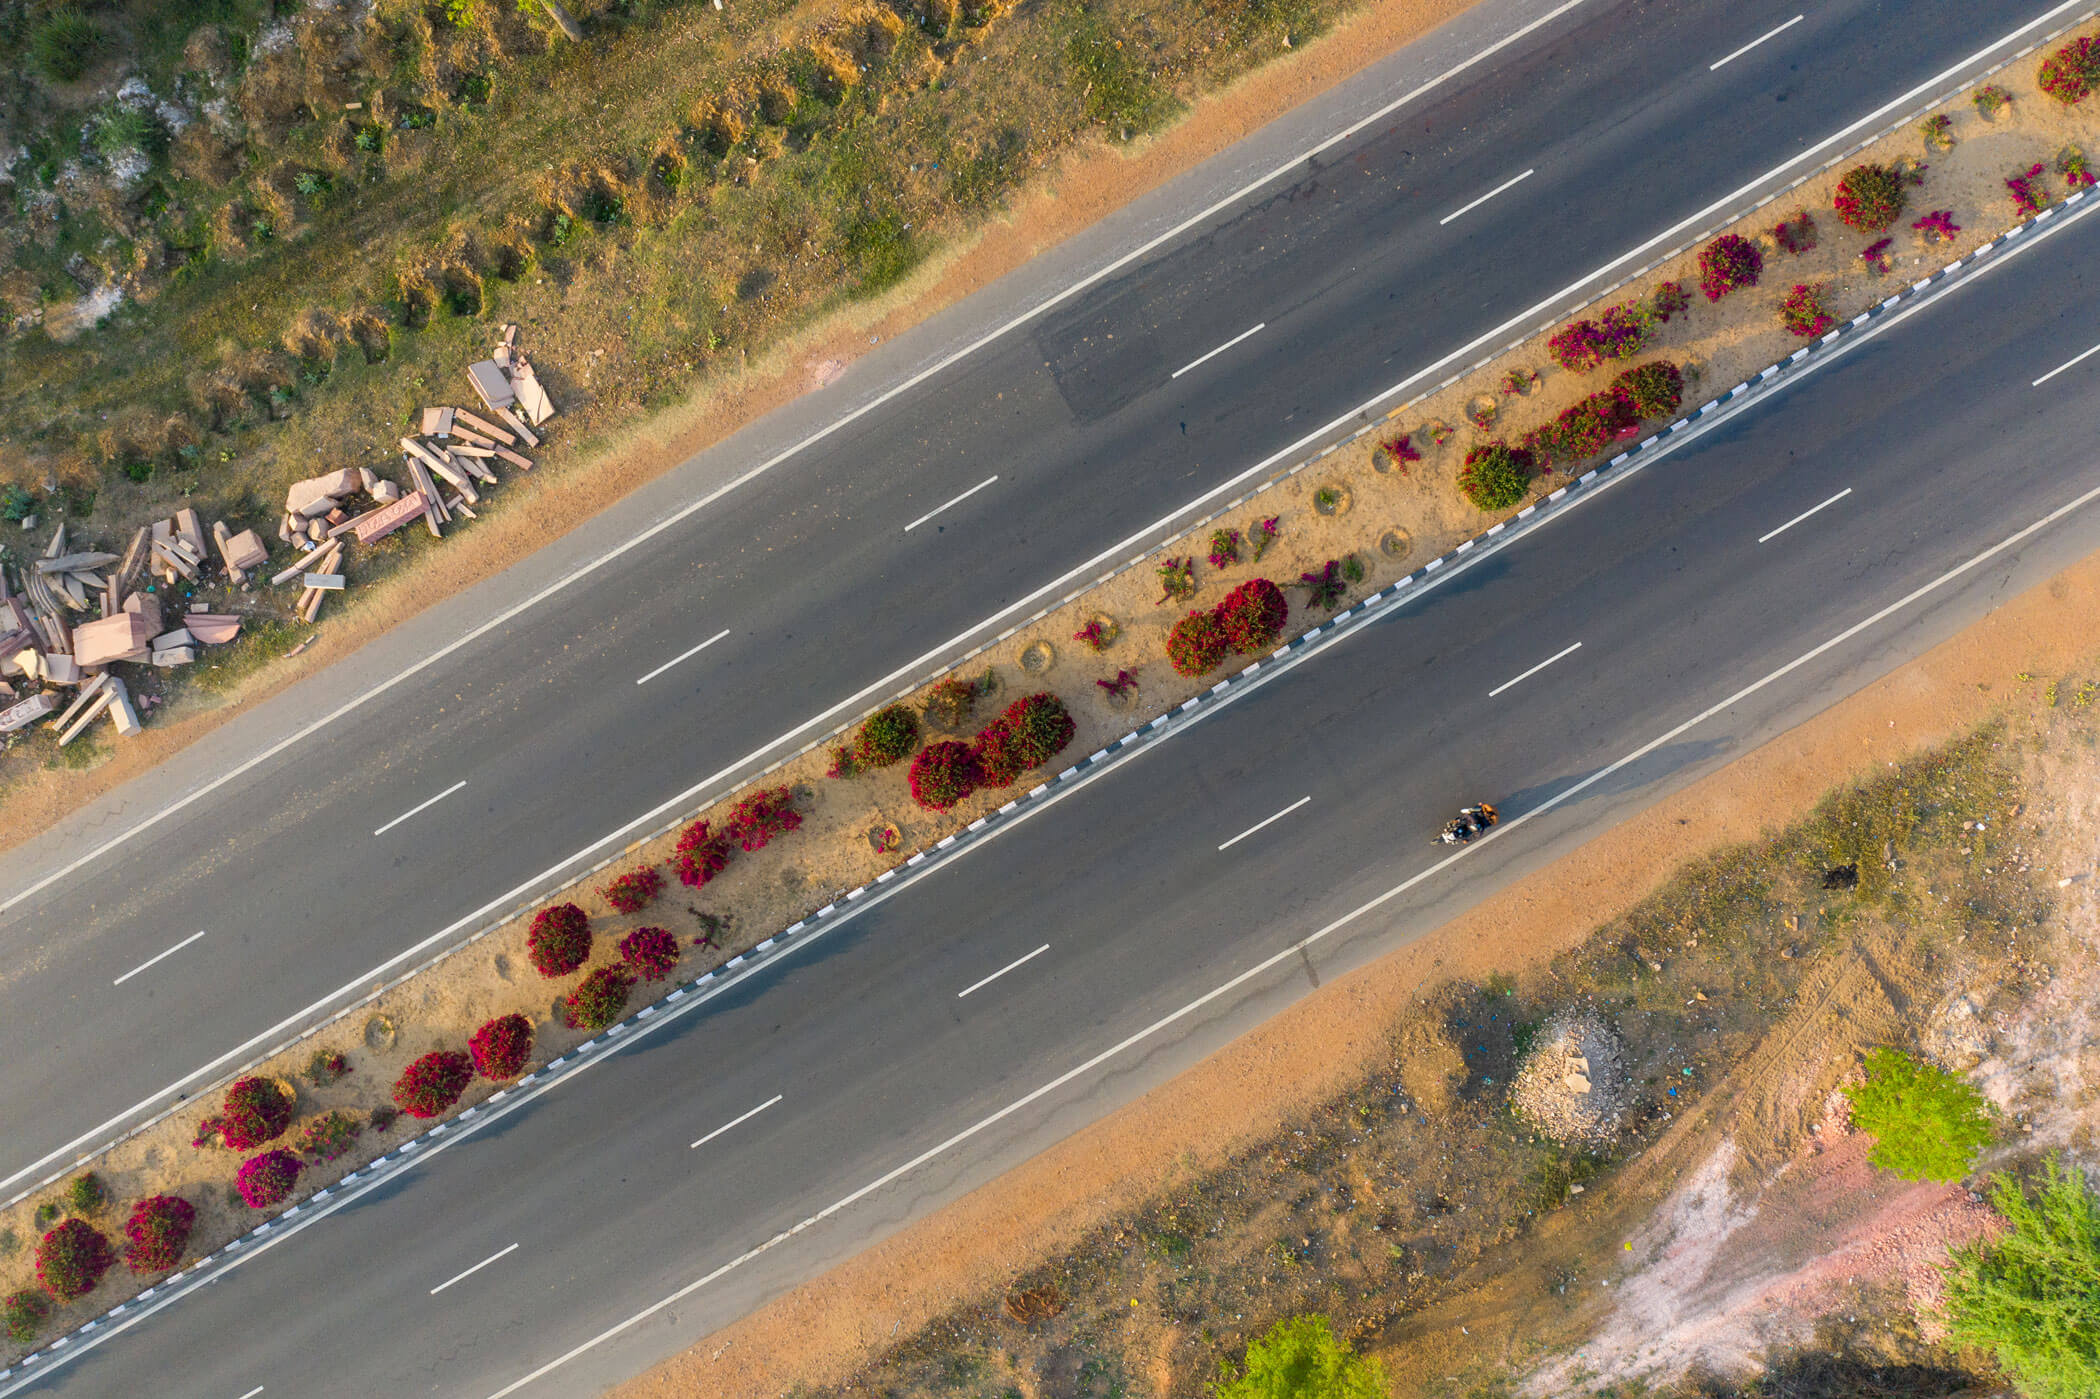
{"type": "Point", "coordinates": [18, 716]}
{"type": "Point", "coordinates": [369, 477]}
{"type": "Point", "coordinates": [123, 637]}
{"type": "Point", "coordinates": [169, 640]}
{"type": "Point", "coordinates": [385, 492]}
{"type": "Point", "coordinates": [316, 531]}
{"type": "Point", "coordinates": [212, 628]}
{"type": "Point", "coordinates": [330, 582]}
{"type": "Point", "coordinates": [120, 710]}
{"type": "Point", "coordinates": [491, 383]}
{"type": "Point", "coordinates": [245, 551]}
{"type": "Point", "coordinates": [387, 518]}
{"type": "Point", "coordinates": [173, 656]}
{"type": "Point", "coordinates": [302, 497]}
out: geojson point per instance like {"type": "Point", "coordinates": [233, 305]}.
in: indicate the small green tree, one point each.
{"type": "Point", "coordinates": [1302, 1358]}
{"type": "Point", "coordinates": [2032, 1297]}
{"type": "Point", "coordinates": [1930, 1123]}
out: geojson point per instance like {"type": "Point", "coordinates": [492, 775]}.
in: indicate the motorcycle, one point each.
{"type": "Point", "coordinates": [1470, 821]}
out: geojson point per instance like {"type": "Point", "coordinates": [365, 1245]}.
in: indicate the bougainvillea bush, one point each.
{"type": "Point", "coordinates": [2072, 72]}
{"type": "Point", "coordinates": [254, 1111]}
{"type": "Point", "coordinates": [560, 939]}
{"type": "Point", "coordinates": [1621, 332]}
{"type": "Point", "coordinates": [329, 1136]}
{"type": "Point", "coordinates": [943, 774]}
{"type": "Point", "coordinates": [159, 1229]}
{"type": "Point", "coordinates": [2071, 164]}
{"type": "Point", "coordinates": [268, 1179]}
{"type": "Point", "coordinates": [1803, 312]}
{"type": "Point", "coordinates": [651, 952]}
{"type": "Point", "coordinates": [71, 1259]}
{"type": "Point", "coordinates": [1324, 589]}
{"type": "Point", "coordinates": [1669, 299]}
{"type": "Point", "coordinates": [950, 702]}
{"type": "Point", "coordinates": [433, 1083]}
{"type": "Point", "coordinates": [1253, 615]}
{"type": "Point", "coordinates": [1797, 234]}
{"type": "Point", "coordinates": [633, 891]}
{"type": "Point", "coordinates": [1653, 390]}
{"type": "Point", "coordinates": [2030, 194]}
{"type": "Point", "coordinates": [1729, 263]}
{"type": "Point", "coordinates": [1095, 635]}
{"type": "Point", "coordinates": [1196, 644]}
{"type": "Point", "coordinates": [700, 856]}
{"type": "Point", "coordinates": [1224, 549]}
{"type": "Point", "coordinates": [501, 1047]}
{"type": "Point", "coordinates": [763, 817]}
{"type": "Point", "coordinates": [998, 754]}
{"type": "Point", "coordinates": [1870, 197]}
{"type": "Point", "coordinates": [887, 736]}
{"type": "Point", "coordinates": [24, 1314]}
{"type": "Point", "coordinates": [1041, 727]}
{"type": "Point", "coordinates": [1577, 347]}
{"type": "Point", "coordinates": [1496, 475]}
{"type": "Point", "coordinates": [1940, 223]}
{"type": "Point", "coordinates": [598, 999]}
{"type": "Point", "coordinates": [1177, 579]}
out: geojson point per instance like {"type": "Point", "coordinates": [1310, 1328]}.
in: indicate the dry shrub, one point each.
{"type": "Point", "coordinates": [867, 31]}
{"type": "Point", "coordinates": [271, 94]}
{"type": "Point", "coordinates": [372, 332]}
{"type": "Point", "coordinates": [205, 155]}
{"type": "Point", "coordinates": [206, 52]}
{"type": "Point", "coordinates": [721, 121]}
{"type": "Point", "coordinates": [315, 335]}
{"type": "Point", "coordinates": [510, 254]}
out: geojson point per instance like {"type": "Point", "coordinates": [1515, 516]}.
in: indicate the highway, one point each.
{"type": "Point", "coordinates": [1694, 587]}
{"type": "Point", "coordinates": [312, 847]}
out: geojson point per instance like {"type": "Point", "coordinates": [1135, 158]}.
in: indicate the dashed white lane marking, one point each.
{"type": "Point", "coordinates": [1506, 184]}
{"type": "Point", "coordinates": [980, 985]}
{"type": "Point", "coordinates": [499, 1253]}
{"type": "Point", "coordinates": [1558, 655]}
{"type": "Point", "coordinates": [1259, 824]}
{"type": "Point", "coordinates": [424, 806]}
{"type": "Point", "coordinates": [1804, 515]}
{"type": "Point", "coordinates": [1219, 351]}
{"type": "Point", "coordinates": [1711, 67]}
{"type": "Point", "coordinates": [253, 1392]}
{"type": "Point", "coordinates": [737, 1121]}
{"type": "Point", "coordinates": [957, 501]}
{"type": "Point", "coordinates": [683, 656]}
{"type": "Point", "coordinates": [151, 960]}
{"type": "Point", "coordinates": [2065, 365]}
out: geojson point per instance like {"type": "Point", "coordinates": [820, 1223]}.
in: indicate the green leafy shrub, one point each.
{"type": "Point", "coordinates": [950, 702]}
{"type": "Point", "coordinates": [1930, 1123]}
{"type": "Point", "coordinates": [64, 43]}
{"type": "Point", "coordinates": [159, 1229]}
{"type": "Point", "coordinates": [1300, 1357]}
{"type": "Point", "coordinates": [433, 1083]}
{"type": "Point", "coordinates": [888, 736]}
{"type": "Point", "coordinates": [1652, 390]}
{"type": "Point", "coordinates": [598, 999]}
{"type": "Point", "coordinates": [24, 1314]}
{"type": "Point", "coordinates": [560, 940]}
{"type": "Point", "coordinates": [2032, 1296]}
{"type": "Point", "coordinates": [71, 1259]}
{"type": "Point", "coordinates": [86, 1194]}
{"type": "Point", "coordinates": [1196, 644]}
{"type": "Point", "coordinates": [1496, 476]}
{"type": "Point", "coordinates": [329, 1136]}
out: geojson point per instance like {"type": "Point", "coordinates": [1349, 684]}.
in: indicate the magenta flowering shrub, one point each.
{"type": "Point", "coordinates": [1876, 256]}
{"type": "Point", "coordinates": [1253, 615]}
{"type": "Point", "coordinates": [431, 1085]}
{"type": "Point", "coordinates": [1796, 234]}
{"type": "Point", "coordinates": [763, 817]}
{"type": "Point", "coordinates": [267, 1179]}
{"type": "Point", "coordinates": [598, 999]}
{"type": "Point", "coordinates": [1870, 197]}
{"type": "Point", "coordinates": [2030, 194]}
{"type": "Point", "coordinates": [1122, 685]}
{"type": "Point", "coordinates": [1325, 588]}
{"type": "Point", "coordinates": [1577, 347]}
{"type": "Point", "coordinates": [1620, 332]}
{"type": "Point", "coordinates": [23, 1314]}
{"type": "Point", "coordinates": [2072, 72]}
{"type": "Point", "coordinates": [501, 1047]}
{"type": "Point", "coordinates": [1094, 635]}
{"type": "Point", "coordinates": [699, 857]}
{"type": "Point", "coordinates": [1262, 536]}
{"type": "Point", "coordinates": [2070, 163]}
{"type": "Point", "coordinates": [159, 1229]}
{"type": "Point", "coordinates": [254, 1111]}
{"type": "Point", "coordinates": [71, 1259]}
{"type": "Point", "coordinates": [1224, 548]}
{"type": "Point", "coordinates": [998, 754]}
{"type": "Point", "coordinates": [329, 1136]}
{"type": "Point", "coordinates": [1196, 644]}
{"type": "Point", "coordinates": [635, 890]}
{"type": "Point", "coordinates": [1940, 223]}
{"type": "Point", "coordinates": [1583, 429]}
{"type": "Point", "coordinates": [1177, 579]}
{"type": "Point", "coordinates": [1496, 475]}
{"type": "Point", "coordinates": [560, 939]}
{"type": "Point", "coordinates": [1669, 299]}
{"type": "Point", "coordinates": [1652, 390]}
{"type": "Point", "coordinates": [651, 952]}
{"type": "Point", "coordinates": [1803, 312]}
{"type": "Point", "coordinates": [943, 774]}
{"type": "Point", "coordinates": [1729, 263]}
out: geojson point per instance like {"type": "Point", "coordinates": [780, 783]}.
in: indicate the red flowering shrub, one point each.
{"type": "Point", "coordinates": [1041, 727]}
{"type": "Point", "coordinates": [433, 1083]}
{"type": "Point", "coordinates": [1095, 634]}
{"type": "Point", "coordinates": [1729, 263]}
{"type": "Point", "coordinates": [998, 754]}
{"type": "Point", "coordinates": [633, 891]}
{"type": "Point", "coordinates": [652, 952]}
{"type": "Point", "coordinates": [1668, 300]}
{"type": "Point", "coordinates": [1803, 312]}
{"type": "Point", "coordinates": [1400, 451]}
{"type": "Point", "coordinates": [760, 817]}
{"type": "Point", "coordinates": [1797, 234]}
{"type": "Point", "coordinates": [598, 999]}
{"type": "Point", "coordinates": [1224, 549]}
{"type": "Point", "coordinates": [255, 1111]}
{"type": "Point", "coordinates": [699, 857]}
{"type": "Point", "coordinates": [2070, 163]}
{"type": "Point", "coordinates": [159, 1228]}
{"type": "Point", "coordinates": [2072, 72]}
{"type": "Point", "coordinates": [1496, 476]}
{"type": "Point", "coordinates": [501, 1047]}
{"type": "Point", "coordinates": [943, 774]}
{"type": "Point", "coordinates": [560, 939]}
{"type": "Point", "coordinates": [268, 1179]}
{"type": "Point", "coordinates": [1196, 644]}
{"type": "Point", "coordinates": [1870, 197]}
{"type": "Point", "coordinates": [1939, 222]}
{"type": "Point", "coordinates": [1652, 390]}
{"type": "Point", "coordinates": [23, 1314]}
{"type": "Point", "coordinates": [1577, 347]}
{"type": "Point", "coordinates": [1253, 615]}
{"type": "Point", "coordinates": [2030, 194]}
{"type": "Point", "coordinates": [71, 1259]}
{"type": "Point", "coordinates": [887, 736]}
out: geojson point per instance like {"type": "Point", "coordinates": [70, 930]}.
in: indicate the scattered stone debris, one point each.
{"type": "Point", "coordinates": [1572, 1083]}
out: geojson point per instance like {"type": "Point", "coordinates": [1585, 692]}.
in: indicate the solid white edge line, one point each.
{"type": "Point", "coordinates": [957, 501]}
{"type": "Point", "coordinates": [1558, 655]}
{"type": "Point", "coordinates": [683, 656]}
{"type": "Point", "coordinates": [425, 806]}
{"type": "Point", "coordinates": [1506, 184]}
{"type": "Point", "coordinates": [2065, 365]}
{"type": "Point", "coordinates": [1260, 824]}
{"type": "Point", "coordinates": [1200, 359]}
{"type": "Point", "coordinates": [980, 985]}
{"type": "Point", "coordinates": [1804, 515]}
{"type": "Point", "coordinates": [1716, 67]}
{"type": "Point", "coordinates": [1113, 551]}
{"type": "Point", "coordinates": [737, 1122]}
{"type": "Point", "coordinates": [157, 957]}
{"type": "Point", "coordinates": [500, 1253]}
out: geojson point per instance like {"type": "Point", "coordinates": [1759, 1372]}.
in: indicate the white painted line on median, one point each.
{"type": "Point", "coordinates": [423, 807]}
{"type": "Point", "coordinates": [1535, 669]}
{"type": "Point", "coordinates": [2065, 365]}
{"type": "Point", "coordinates": [738, 1121]}
{"type": "Point", "coordinates": [980, 985]}
{"type": "Point", "coordinates": [1506, 184]}
{"type": "Point", "coordinates": [1259, 824]}
{"type": "Point", "coordinates": [499, 1253]}
{"type": "Point", "coordinates": [683, 656]}
{"type": "Point", "coordinates": [253, 1392]}
{"type": "Point", "coordinates": [1219, 351]}
{"type": "Point", "coordinates": [151, 960]}
{"type": "Point", "coordinates": [957, 501]}
{"type": "Point", "coordinates": [1804, 515]}
{"type": "Point", "coordinates": [1712, 67]}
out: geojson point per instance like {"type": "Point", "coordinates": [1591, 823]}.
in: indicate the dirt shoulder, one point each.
{"type": "Point", "coordinates": [835, 1325]}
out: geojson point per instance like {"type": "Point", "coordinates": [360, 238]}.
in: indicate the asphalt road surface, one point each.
{"type": "Point", "coordinates": [1113, 907]}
